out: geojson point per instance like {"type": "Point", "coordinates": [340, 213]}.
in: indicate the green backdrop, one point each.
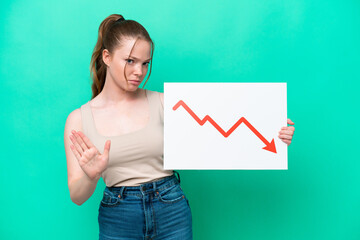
{"type": "Point", "coordinates": [45, 51]}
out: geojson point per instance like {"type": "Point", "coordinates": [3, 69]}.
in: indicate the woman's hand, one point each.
{"type": "Point", "coordinates": [286, 133]}
{"type": "Point", "coordinates": [92, 162]}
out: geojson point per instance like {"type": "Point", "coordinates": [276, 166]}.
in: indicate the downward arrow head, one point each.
{"type": "Point", "coordinates": [270, 147]}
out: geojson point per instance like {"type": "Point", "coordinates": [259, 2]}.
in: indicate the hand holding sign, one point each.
{"type": "Point", "coordinates": [286, 133]}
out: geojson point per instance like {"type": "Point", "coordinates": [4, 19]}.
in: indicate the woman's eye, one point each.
{"type": "Point", "coordinates": [129, 60]}
{"type": "Point", "coordinates": [146, 64]}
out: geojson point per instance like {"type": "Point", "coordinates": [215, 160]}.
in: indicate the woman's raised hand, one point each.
{"type": "Point", "coordinates": [92, 162]}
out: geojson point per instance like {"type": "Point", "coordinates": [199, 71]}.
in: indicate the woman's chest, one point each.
{"type": "Point", "coordinates": [120, 121]}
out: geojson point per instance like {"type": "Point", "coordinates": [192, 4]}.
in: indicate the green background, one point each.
{"type": "Point", "coordinates": [45, 51]}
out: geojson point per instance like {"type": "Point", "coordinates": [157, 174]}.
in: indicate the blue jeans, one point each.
{"type": "Point", "coordinates": [155, 210]}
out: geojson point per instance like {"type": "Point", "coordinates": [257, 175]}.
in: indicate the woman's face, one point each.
{"type": "Point", "coordinates": [136, 64]}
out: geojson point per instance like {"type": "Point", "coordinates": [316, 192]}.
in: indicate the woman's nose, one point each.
{"type": "Point", "coordinates": [138, 70]}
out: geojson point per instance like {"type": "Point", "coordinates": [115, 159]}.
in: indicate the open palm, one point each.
{"type": "Point", "coordinates": [92, 162]}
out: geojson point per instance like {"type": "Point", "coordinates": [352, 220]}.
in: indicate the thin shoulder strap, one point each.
{"type": "Point", "coordinates": [155, 106]}
{"type": "Point", "coordinates": [87, 119]}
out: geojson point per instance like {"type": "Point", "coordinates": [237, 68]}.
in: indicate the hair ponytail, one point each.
{"type": "Point", "coordinates": [110, 34]}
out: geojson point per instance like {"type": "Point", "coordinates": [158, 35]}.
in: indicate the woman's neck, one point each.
{"type": "Point", "coordinates": [112, 94]}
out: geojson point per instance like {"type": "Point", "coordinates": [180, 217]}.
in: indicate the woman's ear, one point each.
{"type": "Point", "coordinates": [106, 57]}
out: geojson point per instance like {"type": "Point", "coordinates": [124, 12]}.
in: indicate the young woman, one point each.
{"type": "Point", "coordinates": [141, 200]}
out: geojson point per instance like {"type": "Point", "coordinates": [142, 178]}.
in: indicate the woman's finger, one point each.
{"type": "Point", "coordinates": [80, 141]}
{"type": "Point", "coordinates": [285, 136]}
{"type": "Point", "coordinates": [291, 128]}
{"type": "Point", "coordinates": [287, 142]}
{"type": "Point", "coordinates": [86, 140]}
{"type": "Point", "coordinates": [290, 122]}
{"type": "Point", "coordinates": [76, 153]}
{"type": "Point", "coordinates": [288, 132]}
{"type": "Point", "coordinates": [107, 149]}
{"type": "Point", "coordinates": [76, 144]}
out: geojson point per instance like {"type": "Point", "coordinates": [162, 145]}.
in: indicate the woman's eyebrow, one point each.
{"type": "Point", "coordinates": [138, 59]}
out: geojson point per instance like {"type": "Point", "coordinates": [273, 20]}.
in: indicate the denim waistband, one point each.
{"type": "Point", "coordinates": [156, 185]}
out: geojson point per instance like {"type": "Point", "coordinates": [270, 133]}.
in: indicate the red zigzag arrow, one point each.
{"type": "Point", "coordinates": [269, 146]}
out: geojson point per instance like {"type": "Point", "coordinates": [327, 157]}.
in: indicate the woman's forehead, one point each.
{"type": "Point", "coordinates": [141, 49]}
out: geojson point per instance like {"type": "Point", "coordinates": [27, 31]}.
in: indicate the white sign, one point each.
{"type": "Point", "coordinates": [224, 125]}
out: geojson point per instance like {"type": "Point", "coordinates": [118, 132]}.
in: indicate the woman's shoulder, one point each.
{"type": "Point", "coordinates": [75, 114]}
{"type": "Point", "coordinates": [160, 95]}
{"type": "Point", "coordinates": [74, 118]}
{"type": "Point", "coordinates": [152, 92]}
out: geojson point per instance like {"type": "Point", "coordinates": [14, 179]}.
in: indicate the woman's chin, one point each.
{"type": "Point", "coordinates": [132, 88]}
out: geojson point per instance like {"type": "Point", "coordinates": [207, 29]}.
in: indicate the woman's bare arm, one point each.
{"type": "Point", "coordinates": [81, 187]}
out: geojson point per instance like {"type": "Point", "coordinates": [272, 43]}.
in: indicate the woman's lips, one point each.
{"type": "Point", "coordinates": [134, 82]}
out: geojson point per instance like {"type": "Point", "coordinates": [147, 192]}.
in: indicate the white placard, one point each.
{"type": "Point", "coordinates": [224, 125]}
